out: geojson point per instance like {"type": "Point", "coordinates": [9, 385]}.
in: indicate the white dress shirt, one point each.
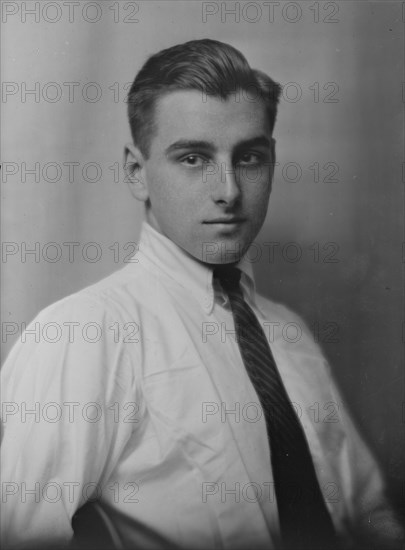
{"type": "Point", "coordinates": [134, 391]}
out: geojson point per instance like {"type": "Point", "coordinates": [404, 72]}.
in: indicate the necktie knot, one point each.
{"type": "Point", "coordinates": [228, 276]}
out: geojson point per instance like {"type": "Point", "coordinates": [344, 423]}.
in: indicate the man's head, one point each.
{"type": "Point", "coordinates": [202, 156]}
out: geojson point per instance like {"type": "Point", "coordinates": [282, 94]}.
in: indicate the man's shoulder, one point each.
{"type": "Point", "coordinates": [124, 289]}
{"type": "Point", "coordinates": [278, 312]}
{"type": "Point", "coordinates": [91, 326]}
{"type": "Point", "coordinates": [290, 334]}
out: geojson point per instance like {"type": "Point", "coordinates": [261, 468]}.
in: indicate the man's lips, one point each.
{"type": "Point", "coordinates": [225, 220]}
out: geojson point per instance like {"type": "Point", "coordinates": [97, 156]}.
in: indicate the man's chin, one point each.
{"type": "Point", "coordinates": [222, 252]}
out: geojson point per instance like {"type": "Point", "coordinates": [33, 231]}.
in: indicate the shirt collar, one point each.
{"type": "Point", "coordinates": [169, 259]}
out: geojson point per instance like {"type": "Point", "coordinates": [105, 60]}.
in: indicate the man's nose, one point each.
{"type": "Point", "coordinates": [225, 187]}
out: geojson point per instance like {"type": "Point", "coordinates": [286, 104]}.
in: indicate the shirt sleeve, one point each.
{"type": "Point", "coordinates": [371, 520]}
{"type": "Point", "coordinates": [64, 387]}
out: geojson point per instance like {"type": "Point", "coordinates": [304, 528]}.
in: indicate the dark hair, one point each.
{"type": "Point", "coordinates": [209, 66]}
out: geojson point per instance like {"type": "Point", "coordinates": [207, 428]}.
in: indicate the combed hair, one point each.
{"type": "Point", "coordinates": [209, 66]}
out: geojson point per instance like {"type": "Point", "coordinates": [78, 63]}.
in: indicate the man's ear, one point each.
{"type": "Point", "coordinates": [273, 156]}
{"type": "Point", "coordinates": [134, 166]}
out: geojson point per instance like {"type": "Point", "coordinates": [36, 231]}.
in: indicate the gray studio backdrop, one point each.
{"type": "Point", "coordinates": [332, 244]}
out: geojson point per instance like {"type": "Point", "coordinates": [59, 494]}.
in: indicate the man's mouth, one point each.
{"type": "Point", "coordinates": [227, 220]}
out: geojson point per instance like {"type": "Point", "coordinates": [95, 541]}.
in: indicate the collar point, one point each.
{"type": "Point", "coordinates": [207, 304]}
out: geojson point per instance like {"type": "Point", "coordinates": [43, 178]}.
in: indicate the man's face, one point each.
{"type": "Point", "coordinates": [208, 175]}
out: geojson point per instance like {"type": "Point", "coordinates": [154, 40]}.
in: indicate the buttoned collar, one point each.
{"type": "Point", "coordinates": [169, 260]}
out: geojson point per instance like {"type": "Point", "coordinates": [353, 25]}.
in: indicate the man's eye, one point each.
{"type": "Point", "coordinates": [250, 158]}
{"type": "Point", "coordinates": [193, 160]}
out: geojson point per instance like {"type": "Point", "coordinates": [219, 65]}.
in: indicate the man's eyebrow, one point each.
{"type": "Point", "coordinates": [259, 141]}
{"type": "Point", "coordinates": [189, 144]}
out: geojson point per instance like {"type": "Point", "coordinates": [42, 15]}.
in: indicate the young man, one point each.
{"type": "Point", "coordinates": [162, 401]}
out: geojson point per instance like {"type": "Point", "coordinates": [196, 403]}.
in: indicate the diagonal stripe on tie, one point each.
{"type": "Point", "coordinates": [305, 522]}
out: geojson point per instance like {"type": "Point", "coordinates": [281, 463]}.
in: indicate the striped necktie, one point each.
{"type": "Point", "coordinates": [305, 522]}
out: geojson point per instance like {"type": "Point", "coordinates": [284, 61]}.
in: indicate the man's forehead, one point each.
{"type": "Point", "coordinates": [189, 114]}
